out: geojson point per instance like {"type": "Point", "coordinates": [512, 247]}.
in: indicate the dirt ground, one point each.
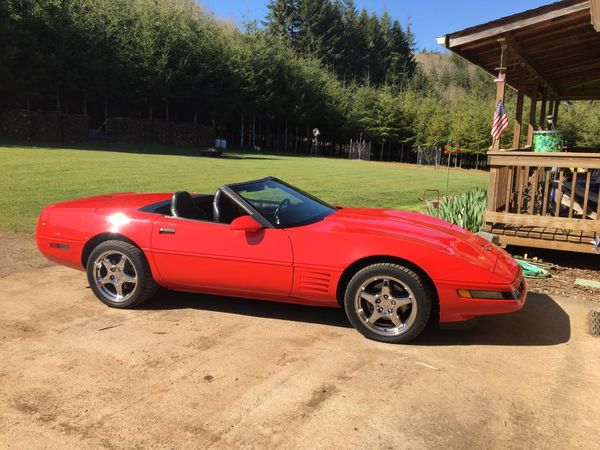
{"type": "Point", "coordinates": [565, 268]}
{"type": "Point", "coordinates": [190, 371]}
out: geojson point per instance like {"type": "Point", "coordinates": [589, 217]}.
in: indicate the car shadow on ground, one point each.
{"type": "Point", "coordinates": [166, 299]}
{"type": "Point", "coordinates": [541, 322]}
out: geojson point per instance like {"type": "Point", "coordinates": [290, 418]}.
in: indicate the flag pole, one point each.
{"type": "Point", "coordinates": [500, 84]}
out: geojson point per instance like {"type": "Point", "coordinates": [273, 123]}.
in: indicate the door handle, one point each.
{"type": "Point", "coordinates": [166, 230]}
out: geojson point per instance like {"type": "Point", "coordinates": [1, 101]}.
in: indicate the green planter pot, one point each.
{"type": "Point", "coordinates": [547, 141]}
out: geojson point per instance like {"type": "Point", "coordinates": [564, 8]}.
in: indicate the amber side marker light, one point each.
{"type": "Point", "coordinates": [488, 295]}
{"type": "Point", "coordinates": [59, 246]}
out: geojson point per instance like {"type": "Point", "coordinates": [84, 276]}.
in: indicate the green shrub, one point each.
{"type": "Point", "coordinates": [465, 210]}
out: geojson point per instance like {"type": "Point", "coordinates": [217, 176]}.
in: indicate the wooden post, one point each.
{"type": "Point", "coordinates": [543, 108]}
{"type": "Point", "coordinates": [555, 113]}
{"type": "Point", "coordinates": [105, 108]}
{"type": "Point", "coordinates": [307, 136]}
{"type": "Point", "coordinates": [242, 133]}
{"type": "Point", "coordinates": [516, 143]}
{"type": "Point", "coordinates": [500, 84]}
{"type": "Point", "coordinates": [550, 112]}
{"type": "Point", "coordinates": [58, 106]}
{"type": "Point", "coordinates": [532, 122]}
{"type": "Point", "coordinates": [254, 131]}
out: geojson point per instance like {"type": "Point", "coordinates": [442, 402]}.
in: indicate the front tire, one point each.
{"type": "Point", "coordinates": [388, 303]}
{"type": "Point", "coordinates": [119, 275]}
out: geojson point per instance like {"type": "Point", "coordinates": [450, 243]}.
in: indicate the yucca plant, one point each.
{"type": "Point", "coordinates": [465, 210]}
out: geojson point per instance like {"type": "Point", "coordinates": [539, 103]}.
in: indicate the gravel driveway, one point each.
{"type": "Point", "coordinates": [197, 371]}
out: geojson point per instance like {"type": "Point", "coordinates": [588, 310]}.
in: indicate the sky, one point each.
{"type": "Point", "coordinates": [429, 18]}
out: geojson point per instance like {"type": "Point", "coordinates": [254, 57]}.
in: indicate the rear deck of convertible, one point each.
{"type": "Point", "coordinates": [551, 55]}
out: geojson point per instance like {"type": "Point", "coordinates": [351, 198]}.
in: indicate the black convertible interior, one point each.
{"type": "Point", "coordinates": [183, 205]}
{"type": "Point", "coordinates": [218, 208]}
{"type": "Point", "coordinates": [215, 208]}
{"type": "Point", "coordinates": [280, 204]}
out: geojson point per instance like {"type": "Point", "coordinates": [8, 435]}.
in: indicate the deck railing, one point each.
{"type": "Point", "coordinates": [544, 199]}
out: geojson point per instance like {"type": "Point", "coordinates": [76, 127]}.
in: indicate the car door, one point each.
{"type": "Point", "coordinates": [210, 257]}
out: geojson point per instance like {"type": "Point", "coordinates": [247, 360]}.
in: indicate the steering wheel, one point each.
{"type": "Point", "coordinates": [282, 205]}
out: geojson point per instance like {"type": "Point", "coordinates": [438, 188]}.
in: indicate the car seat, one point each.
{"type": "Point", "coordinates": [225, 209]}
{"type": "Point", "coordinates": [182, 205]}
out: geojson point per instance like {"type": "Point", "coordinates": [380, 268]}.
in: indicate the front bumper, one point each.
{"type": "Point", "coordinates": [454, 308]}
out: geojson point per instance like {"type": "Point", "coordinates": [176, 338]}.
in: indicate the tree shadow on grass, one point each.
{"type": "Point", "coordinates": [139, 149]}
{"type": "Point", "coordinates": [541, 322]}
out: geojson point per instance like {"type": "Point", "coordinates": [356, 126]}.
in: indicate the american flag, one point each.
{"type": "Point", "coordinates": [500, 121]}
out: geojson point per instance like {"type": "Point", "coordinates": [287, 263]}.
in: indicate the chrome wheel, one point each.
{"type": "Point", "coordinates": [115, 276]}
{"type": "Point", "coordinates": [386, 305]}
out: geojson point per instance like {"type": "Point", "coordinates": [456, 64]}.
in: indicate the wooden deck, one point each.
{"type": "Point", "coordinates": [550, 54]}
{"type": "Point", "coordinates": [547, 200]}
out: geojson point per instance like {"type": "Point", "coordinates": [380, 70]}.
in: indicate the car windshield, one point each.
{"type": "Point", "coordinates": [281, 204]}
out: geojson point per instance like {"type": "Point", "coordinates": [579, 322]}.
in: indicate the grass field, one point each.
{"type": "Point", "coordinates": [33, 176]}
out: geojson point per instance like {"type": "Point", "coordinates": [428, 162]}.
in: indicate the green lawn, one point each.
{"type": "Point", "coordinates": [33, 176]}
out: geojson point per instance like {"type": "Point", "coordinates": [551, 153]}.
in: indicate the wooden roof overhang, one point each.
{"type": "Point", "coordinates": [558, 43]}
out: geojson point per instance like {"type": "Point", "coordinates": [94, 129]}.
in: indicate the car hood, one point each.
{"type": "Point", "coordinates": [417, 228]}
{"type": "Point", "coordinates": [391, 222]}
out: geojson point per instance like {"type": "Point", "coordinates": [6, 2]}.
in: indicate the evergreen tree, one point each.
{"type": "Point", "coordinates": [320, 30]}
{"type": "Point", "coordinates": [317, 63]}
{"type": "Point", "coordinates": [401, 63]}
{"type": "Point", "coordinates": [283, 19]}
{"type": "Point", "coordinates": [353, 59]}
{"type": "Point", "coordinates": [377, 50]}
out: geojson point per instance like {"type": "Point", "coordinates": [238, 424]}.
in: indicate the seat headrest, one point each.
{"type": "Point", "coordinates": [182, 204]}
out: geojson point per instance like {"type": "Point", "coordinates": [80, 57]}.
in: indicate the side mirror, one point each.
{"type": "Point", "coordinates": [245, 223]}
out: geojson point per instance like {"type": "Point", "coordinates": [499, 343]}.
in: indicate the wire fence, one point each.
{"type": "Point", "coordinates": [360, 150]}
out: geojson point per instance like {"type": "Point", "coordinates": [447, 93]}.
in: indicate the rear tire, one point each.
{"type": "Point", "coordinates": [119, 274]}
{"type": "Point", "coordinates": [388, 303]}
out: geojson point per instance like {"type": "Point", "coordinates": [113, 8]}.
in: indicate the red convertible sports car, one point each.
{"type": "Point", "coordinates": [389, 270]}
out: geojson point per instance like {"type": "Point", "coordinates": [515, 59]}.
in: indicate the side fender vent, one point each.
{"type": "Point", "coordinates": [315, 281]}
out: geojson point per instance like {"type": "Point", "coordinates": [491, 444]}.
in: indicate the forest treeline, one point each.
{"type": "Point", "coordinates": [310, 64]}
